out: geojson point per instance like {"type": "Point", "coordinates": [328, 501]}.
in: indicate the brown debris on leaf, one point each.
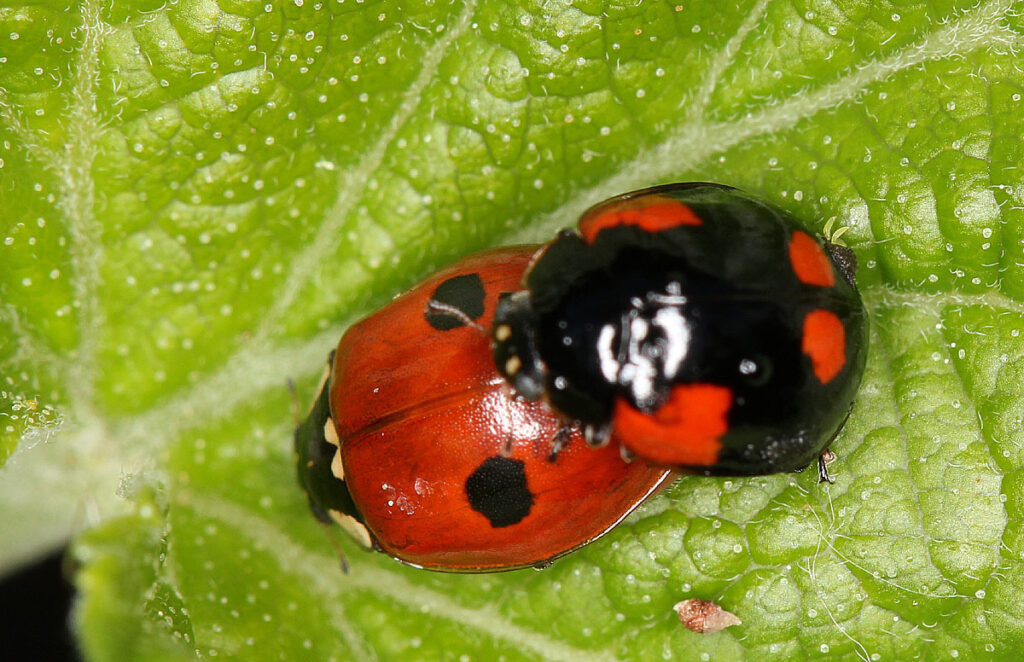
{"type": "Point", "coordinates": [704, 616]}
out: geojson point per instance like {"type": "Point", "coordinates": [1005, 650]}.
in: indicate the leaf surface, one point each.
{"type": "Point", "coordinates": [198, 197]}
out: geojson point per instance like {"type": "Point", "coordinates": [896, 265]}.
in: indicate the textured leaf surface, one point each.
{"type": "Point", "coordinates": [197, 197]}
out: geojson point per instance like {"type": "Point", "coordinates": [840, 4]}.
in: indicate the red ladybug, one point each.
{"type": "Point", "coordinates": [700, 327]}
{"type": "Point", "coordinates": [419, 448]}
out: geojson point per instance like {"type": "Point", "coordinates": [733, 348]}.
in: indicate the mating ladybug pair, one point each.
{"type": "Point", "coordinates": [482, 420]}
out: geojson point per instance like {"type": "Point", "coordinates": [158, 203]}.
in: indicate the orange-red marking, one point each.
{"type": "Point", "coordinates": [810, 263]}
{"type": "Point", "coordinates": [824, 342]}
{"type": "Point", "coordinates": [686, 430]}
{"type": "Point", "coordinates": [660, 215]}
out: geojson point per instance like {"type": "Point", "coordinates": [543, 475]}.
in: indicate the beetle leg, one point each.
{"type": "Point", "coordinates": [824, 459]}
{"type": "Point", "coordinates": [627, 455]}
{"type": "Point", "coordinates": [560, 440]}
{"type": "Point", "coordinates": [597, 436]}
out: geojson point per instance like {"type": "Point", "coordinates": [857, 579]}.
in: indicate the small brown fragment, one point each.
{"type": "Point", "coordinates": [704, 616]}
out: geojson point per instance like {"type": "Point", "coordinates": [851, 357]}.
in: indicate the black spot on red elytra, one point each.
{"type": "Point", "coordinates": [466, 293]}
{"type": "Point", "coordinates": [497, 490]}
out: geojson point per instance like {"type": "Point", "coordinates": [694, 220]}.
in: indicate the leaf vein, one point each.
{"type": "Point", "coordinates": [354, 180]}
{"type": "Point", "coordinates": [697, 142]}
{"type": "Point", "coordinates": [298, 560]}
{"type": "Point", "coordinates": [77, 202]}
{"type": "Point", "coordinates": [723, 60]}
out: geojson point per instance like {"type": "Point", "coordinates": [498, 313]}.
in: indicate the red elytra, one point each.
{"type": "Point", "coordinates": [448, 468]}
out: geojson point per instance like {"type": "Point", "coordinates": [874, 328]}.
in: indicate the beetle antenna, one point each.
{"type": "Point", "coordinates": [296, 416]}
{"type": "Point", "coordinates": [826, 457]}
{"type": "Point", "coordinates": [337, 546]}
{"type": "Point", "coordinates": [435, 306]}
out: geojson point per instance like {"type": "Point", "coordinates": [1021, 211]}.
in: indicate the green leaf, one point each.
{"type": "Point", "coordinates": [198, 197]}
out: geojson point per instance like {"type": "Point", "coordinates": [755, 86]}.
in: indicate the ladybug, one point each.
{"type": "Point", "coordinates": [700, 327]}
{"type": "Point", "coordinates": [418, 447]}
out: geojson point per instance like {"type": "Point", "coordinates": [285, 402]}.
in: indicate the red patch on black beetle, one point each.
{"type": "Point", "coordinates": [661, 214]}
{"type": "Point", "coordinates": [684, 431]}
{"type": "Point", "coordinates": [810, 263]}
{"type": "Point", "coordinates": [824, 342]}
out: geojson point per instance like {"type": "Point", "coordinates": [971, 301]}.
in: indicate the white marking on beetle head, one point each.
{"type": "Point", "coordinates": [606, 355]}
{"type": "Point", "coordinates": [676, 328]}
